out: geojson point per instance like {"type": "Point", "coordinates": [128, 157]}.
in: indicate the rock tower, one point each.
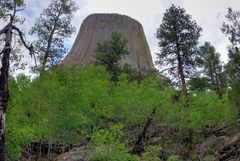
{"type": "Point", "coordinates": [99, 27]}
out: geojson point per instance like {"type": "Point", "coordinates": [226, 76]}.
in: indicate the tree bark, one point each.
{"type": "Point", "coordinates": [49, 43]}
{"type": "Point", "coordinates": [4, 93]}
{"type": "Point", "coordinates": [182, 77]}
{"type": "Point", "coordinates": [184, 90]}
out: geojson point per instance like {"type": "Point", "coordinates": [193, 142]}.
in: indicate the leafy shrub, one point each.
{"type": "Point", "coordinates": [152, 153]}
{"type": "Point", "coordinates": [108, 145]}
{"type": "Point", "coordinates": [174, 158]}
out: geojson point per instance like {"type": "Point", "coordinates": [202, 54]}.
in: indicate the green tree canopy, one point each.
{"type": "Point", "coordinates": [231, 29]}
{"type": "Point", "coordinates": [213, 68]}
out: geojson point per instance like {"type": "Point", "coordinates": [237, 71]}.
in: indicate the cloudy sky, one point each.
{"type": "Point", "coordinates": [209, 14]}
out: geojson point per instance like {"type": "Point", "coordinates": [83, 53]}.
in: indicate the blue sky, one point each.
{"type": "Point", "coordinates": [209, 14]}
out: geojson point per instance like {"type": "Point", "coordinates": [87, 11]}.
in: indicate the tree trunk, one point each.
{"type": "Point", "coordinates": [49, 43]}
{"type": "Point", "coordinates": [47, 53]}
{"type": "Point", "coordinates": [184, 92]}
{"type": "Point", "coordinates": [182, 77]}
{"type": "Point", "coordinates": [4, 94]}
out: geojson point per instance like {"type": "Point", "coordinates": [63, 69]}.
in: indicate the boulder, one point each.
{"type": "Point", "coordinates": [78, 154]}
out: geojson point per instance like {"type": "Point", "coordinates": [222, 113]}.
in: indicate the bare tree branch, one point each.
{"type": "Point", "coordinates": [22, 39]}
{"type": "Point", "coordinates": [30, 48]}
{"type": "Point", "coordinates": [17, 10]}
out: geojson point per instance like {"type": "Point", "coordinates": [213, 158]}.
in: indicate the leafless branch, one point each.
{"type": "Point", "coordinates": [17, 10]}
{"type": "Point", "coordinates": [30, 48]}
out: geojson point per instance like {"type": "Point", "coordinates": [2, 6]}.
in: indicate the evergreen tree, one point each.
{"type": "Point", "coordinates": [52, 28]}
{"type": "Point", "coordinates": [232, 30]}
{"type": "Point", "coordinates": [212, 67]}
{"type": "Point", "coordinates": [8, 13]}
{"type": "Point", "coordinates": [109, 53]}
{"type": "Point", "coordinates": [178, 38]}
{"type": "Point", "coordinates": [199, 83]}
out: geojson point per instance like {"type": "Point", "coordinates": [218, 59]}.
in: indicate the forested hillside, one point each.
{"type": "Point", "coordinates": [78, 106]}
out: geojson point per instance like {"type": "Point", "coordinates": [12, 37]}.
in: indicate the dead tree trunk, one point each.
{"type": "Point", "coordinates": [138, 147]}
{"type": "Point", "coordinates": [4, 94]}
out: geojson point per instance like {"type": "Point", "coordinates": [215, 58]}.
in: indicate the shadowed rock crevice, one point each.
{"type": "Point", "coordinates": [99, 27]}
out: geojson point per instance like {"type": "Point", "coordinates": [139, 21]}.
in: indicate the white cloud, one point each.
{"type": "Point", "coordinates": [210, 15]}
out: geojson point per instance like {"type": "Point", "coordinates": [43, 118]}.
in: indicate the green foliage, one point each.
{"type": "Point", "coordinates": [232, 30]}
{"type": "Point", "coordinates": [107, 145]}
{"type": "Point", "coordinates": [53, 109]}
{"type": "Point", "coordinates": [52, 29]}
{"type": "Point", "coordinates": [134, 101]}
{"type": "Point", "coordinates": [20, 129]}
{"type": "Point", "coordinates": [232, 27]}
{"type": "Point", "coordinates": [135, 75]}
{"type": "Point", "coordinates": [7, 6]}
{"type": "Point", "coordinates": [109, 53]}
{"type": "Point", "coordinates": [213, 68]}
{"type": "Point", "coordinates": [64, 104]}
{"type": "Point", "coordinates": [199, 83]}
{"type": "Point", "coordinates": [233, 66]}
{"type": "Point", "coordinates": [174, 158]}
{"type": "Point", "coordinates": [152, 153]}
{"type": "Point", "coordinates": [234, 94]}
{"type": "Point", "coordinates": [102, 136]}
{"type": "Point", "coordinates": [207, 109]}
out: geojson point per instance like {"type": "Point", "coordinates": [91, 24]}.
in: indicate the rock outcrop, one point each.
{"type": "Point", "coordinates": [99, 27]}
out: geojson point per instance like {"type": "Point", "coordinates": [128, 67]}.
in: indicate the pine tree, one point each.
{"type": "Point", "coordinates": [109, 53]}
{"type": "Point", "coordinates": [232, 30]}
{"type": "Point", "coordinates": [178, 38]}
{"type": "Point", "coordinates": [213, 68]}
{"type": "Point", "coordinates": [52, 29]}
{"type": "Point", "coordinates": [8, 13]}
{"type": "Point", "coordinates": [199, 83]}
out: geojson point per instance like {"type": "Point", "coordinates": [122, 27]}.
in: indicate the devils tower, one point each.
{"type": "Point", "coordinates": [99, 27]}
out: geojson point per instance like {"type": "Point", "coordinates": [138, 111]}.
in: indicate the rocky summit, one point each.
{"type": "Point", "coordinates": [99, 27]}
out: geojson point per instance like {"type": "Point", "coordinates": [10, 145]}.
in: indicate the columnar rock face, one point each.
{"type": "Point", "coordinates": [99, 27]}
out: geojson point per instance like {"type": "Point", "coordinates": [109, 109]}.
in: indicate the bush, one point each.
{"type": "Point", "coordinates": [107, 144]}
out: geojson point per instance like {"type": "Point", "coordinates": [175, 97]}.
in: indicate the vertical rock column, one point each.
{"type": "Point", "coordinates": [99, 27]}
